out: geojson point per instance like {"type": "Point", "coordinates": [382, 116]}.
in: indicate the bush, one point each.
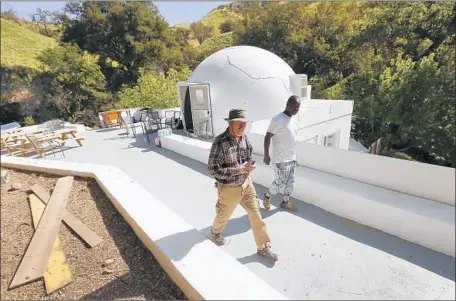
{"type": "Point", "coordinates": [398, 155]}
{"type": "Point", "coordinates": [28, 120]}
{"type": "Point", "coordinates": [215, 44]}
{"type": "Point", "coordinates": [10, 112]}
{"type": "Point", "coordinates": [154, 90]}
{"type": "Point", "coordinates": [226, 27]}
{"type": "Point", "coordinates": [76, 85]}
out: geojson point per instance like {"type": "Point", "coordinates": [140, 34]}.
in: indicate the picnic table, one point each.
{"type": "Point", "coordinates": [18, 142]}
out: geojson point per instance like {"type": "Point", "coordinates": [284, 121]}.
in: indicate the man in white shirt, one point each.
{"type": "Point", "coordinates": [282, 131]}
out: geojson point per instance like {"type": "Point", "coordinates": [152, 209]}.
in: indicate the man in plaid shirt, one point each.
{"type": "Point", "coordinates": [230, 163]}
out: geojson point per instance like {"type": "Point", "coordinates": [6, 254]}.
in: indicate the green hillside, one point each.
{"type": "Point", "coordinates": [21, 46]}
{"type": "Point", "coordinates": [183, 25]}
{"type": "Point", "coordinates": [215, 44]}
{"type": "Point", "coordinates": [219, 16]}
{"type": "Point", "coordinates": [214, 19]}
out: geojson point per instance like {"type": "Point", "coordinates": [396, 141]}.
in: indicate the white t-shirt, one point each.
{"type": "Point", "coordinates": [285, 129]}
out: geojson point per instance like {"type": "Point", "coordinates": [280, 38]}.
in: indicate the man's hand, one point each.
{"type": "Point", "coordinates": [247, 168]}
{"type": "Point", "coordinates": [267, 159]}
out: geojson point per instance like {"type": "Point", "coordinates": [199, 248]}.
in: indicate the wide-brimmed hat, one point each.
{"type": "Point", "coordinates": [237, 115]}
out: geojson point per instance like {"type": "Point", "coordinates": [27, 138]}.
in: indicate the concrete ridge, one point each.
{"type": "Point", "coordinates": [422, 221]}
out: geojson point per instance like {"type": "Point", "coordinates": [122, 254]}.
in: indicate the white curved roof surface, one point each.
{"type": "Point", "coordinates": [322, 256]}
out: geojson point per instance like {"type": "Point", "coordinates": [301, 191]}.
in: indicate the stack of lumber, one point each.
{"type": "Point", "coordinates": [45, 256]}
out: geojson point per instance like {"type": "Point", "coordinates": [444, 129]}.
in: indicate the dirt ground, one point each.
{"type": "Point", "coordinates": [134, 274]}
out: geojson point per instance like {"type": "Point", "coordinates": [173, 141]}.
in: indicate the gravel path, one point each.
{"type": "Point", "coordinates": [133, 274]}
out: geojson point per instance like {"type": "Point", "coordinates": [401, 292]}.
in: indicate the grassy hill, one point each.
{"type": "Point", "coordinates": [20, 46]}
{"type": "Point", "coordinates": [215, 44]}
{"type": "Point", "coordinates": [219, 16]}
{"type": "Point", "coordinates": [213, 20]}
{"type": "Point", "coordinates": [192, 41]}
{"type": "Point", "coordinates": [183, 25]}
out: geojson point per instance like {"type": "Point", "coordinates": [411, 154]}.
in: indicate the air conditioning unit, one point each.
{"type": "Point", "coordinates": [306, 92]}
{"type": "Point", "coordinates": [298, 85]}
{"type": "Point", "coordinates": [299, 80]}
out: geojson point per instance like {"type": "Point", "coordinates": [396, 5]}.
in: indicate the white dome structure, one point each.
{"type": "Point", "coordinates": [244, 77]}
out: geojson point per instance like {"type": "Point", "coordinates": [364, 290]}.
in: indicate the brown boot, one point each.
{"type": "Point", "coordinates": [266, 252]}
{"type": "Point", "coordinates": [266, 202]}
{"type": "Point", "coordinates": [218, 238]}
{"type": "Point", "coordinates": [288, 205]}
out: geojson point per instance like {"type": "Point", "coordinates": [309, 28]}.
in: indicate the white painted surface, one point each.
{"type": "Point", "coordinates": [324, 117]}
{"type": "Point", "coordinates": [21, 130]}
{"type": "Point", "coordinates": [315, 133]}
{"type": "Point", "coordinates": [316, 119]}
{"type": "Point", "coordinates": [299, 86]}
{"type": "Point", "coordinates": [356, 146]}
{"type": "Point", "coordinates": [79, 128]}
{"type": "Point", "coordinates": [213, 273]}
{"type": "Point", "coordinates": [428, 181]}
{"type": "Point", "coordinates": [321, 255]}
{"type": "Point", "coordinates": [134, 112]}
{"type": "Point", "coordinates": [161, 113]}
{"type": "Point", "coordinates": [244, 77]}
{"type": "Point", "coordinates": [314, 111]}
{"type": "Point", "coordinates": [427, 223]}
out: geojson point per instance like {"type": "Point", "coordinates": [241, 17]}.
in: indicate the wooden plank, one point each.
{"type": "Point", "coordinates": [90, 237]}
{"type": "Point", "coordinates": [58, 272]}
{"type": "Point", "coordinates": [4, 176]}
{"type": "Point", "coordinates": [34, 262]}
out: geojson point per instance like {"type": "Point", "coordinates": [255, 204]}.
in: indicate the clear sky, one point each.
{"type": "Point", "coordinates": [174, 12]}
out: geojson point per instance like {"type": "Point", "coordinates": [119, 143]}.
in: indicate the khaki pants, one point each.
{"type": "Point", "coordinates": [228, 199]}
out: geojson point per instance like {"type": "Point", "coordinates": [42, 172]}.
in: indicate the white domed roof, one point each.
{"type": "Point", "coordinates": [244, 77]}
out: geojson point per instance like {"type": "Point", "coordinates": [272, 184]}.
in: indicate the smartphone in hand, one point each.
{"type": "Point", "coordinates": [251, 163]}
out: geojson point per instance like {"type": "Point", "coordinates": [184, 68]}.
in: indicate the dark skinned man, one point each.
{"type": "Point", "coordinates": [282, 132]}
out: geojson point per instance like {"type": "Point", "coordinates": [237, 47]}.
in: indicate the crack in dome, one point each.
{"type": "Point", "coordinates": [258, 78]}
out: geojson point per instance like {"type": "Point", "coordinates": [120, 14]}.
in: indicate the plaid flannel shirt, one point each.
{"type": "Point", "coordinates": [226, 158]}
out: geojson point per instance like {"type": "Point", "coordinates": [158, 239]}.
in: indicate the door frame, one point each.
{"type": "Point", "coordinates": [182, 101]}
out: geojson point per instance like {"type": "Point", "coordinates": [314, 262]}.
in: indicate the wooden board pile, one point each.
{"type": "Point", "coordinates": [45, 257]}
